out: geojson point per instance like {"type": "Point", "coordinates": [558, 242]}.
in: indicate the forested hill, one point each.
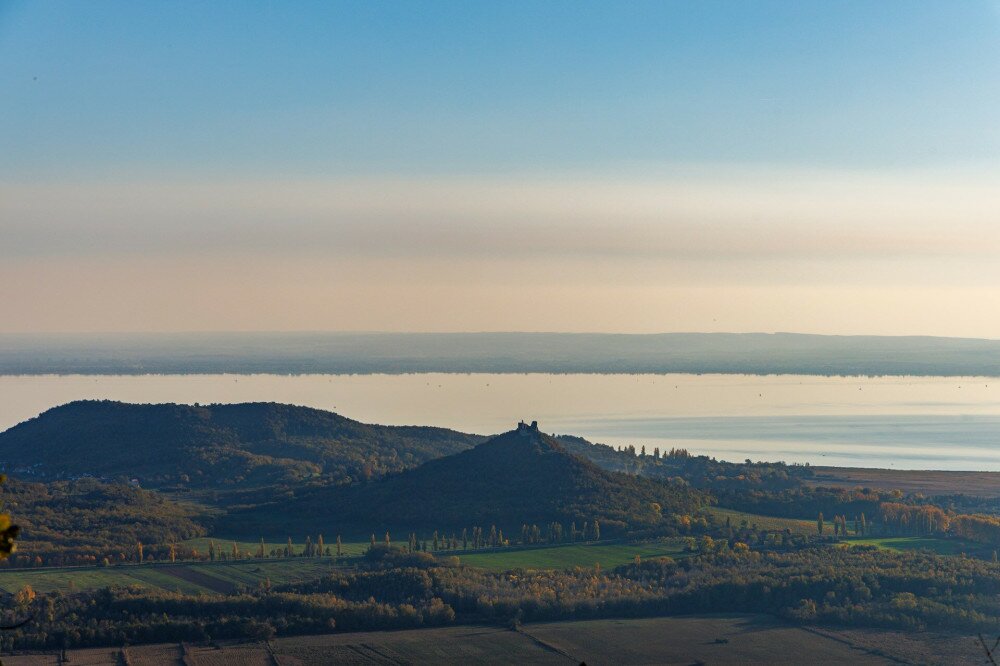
{"type": "Point", "coordinates": [522, 477]}
{"type": "Point", "coordinates": [302, 353]}
{"type": "Point", "coordinates": [215, 446]}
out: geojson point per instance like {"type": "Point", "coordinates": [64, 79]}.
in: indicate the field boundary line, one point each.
{"type": "Point", "coordinates": [851, 644]}
{"type": "Point", "coordinates": [546, 646]}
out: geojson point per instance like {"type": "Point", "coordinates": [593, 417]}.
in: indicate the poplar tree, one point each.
{"type": "Point", "coordinates": [597, 530]}
{"type": "Point", "coordinates": [339, 553]}
{"type": "Point", "coordinates": [819, 523]}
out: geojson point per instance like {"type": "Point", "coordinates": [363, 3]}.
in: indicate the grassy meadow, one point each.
{"type": "Point", "coordinates": [768, 522]}
{"type": "Point", "coordinates": [567, 556]}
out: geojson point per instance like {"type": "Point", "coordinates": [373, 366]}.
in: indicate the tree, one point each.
{"type": "Point", "coordinates": [597, 530]}
{"type": "Point", "coordinates": [260, 553]}
{"type": "Point", "coordinates": [819, 523]}
{"type": "Point", "coordinates": [339, 551]}
{"type": "Point", "coordinates": [319, 546]}
{"type": "Point", "coordinates": [434, 539]}
{"type": "Point", "coordinates": [236, 551]}
{"type": "Point", "coordinates": [173, 553]}
{"type": "Point", "coordinates": [138, 551]}
{"type": "Point", "coordinates": [465, 539]}
{"type": "Point", "coordinates": [8, 531]}
{"type": "Point", "coordinates": [388, 542]}
{"type": "Point", "coordinates": [291, 550]}
{"type": "Point", "coordinates": [864, 525]}
{"type": "Point", "coordinates": [211, 551]}
{"type": "Point", "coordinates": [24, 597]}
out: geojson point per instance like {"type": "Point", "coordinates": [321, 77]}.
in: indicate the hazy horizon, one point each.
{"type": "Point", "coordinates": [716, 166]}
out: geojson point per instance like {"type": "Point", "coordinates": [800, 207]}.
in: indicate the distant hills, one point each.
{"type": "Point", "coordinates": [517, 478]}
{"type": "Point", "coordinates": [216, 447]}
{"type": "Point", "coordinates": [301, 353]}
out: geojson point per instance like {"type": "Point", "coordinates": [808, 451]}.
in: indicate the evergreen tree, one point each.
{"type": "Point", "coordinates": [434, 539]}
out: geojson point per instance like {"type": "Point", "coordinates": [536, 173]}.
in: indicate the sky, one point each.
{"type": "Point", "coordinates": [821, 167]}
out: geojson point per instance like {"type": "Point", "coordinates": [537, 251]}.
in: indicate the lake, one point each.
{"type": "Point", "coordinates": [900, 422]}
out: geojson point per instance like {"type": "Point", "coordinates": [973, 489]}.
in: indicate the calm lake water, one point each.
{"type": "Point", "coordinates": [901, 422]}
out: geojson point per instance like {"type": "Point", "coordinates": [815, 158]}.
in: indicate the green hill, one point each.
{"type": "Point", "coordinates": [520, 477]}
{"type": "Point", "coordinates": [218, 447]}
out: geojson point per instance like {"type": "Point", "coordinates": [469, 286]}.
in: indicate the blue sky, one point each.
{"type": "Point", "coordinates": [817, 166]}
{"type": "Point", "coordinates": [388, 87]}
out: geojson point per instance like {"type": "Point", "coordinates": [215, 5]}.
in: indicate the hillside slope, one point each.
{"type": "Point", "coordinates": [215, 446]}
{"type": "Point", "coordinates": [520, 477]}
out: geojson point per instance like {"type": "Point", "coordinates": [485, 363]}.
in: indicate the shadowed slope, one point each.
{"type": "Point", "coordinates": [520, 477]}
{"type": "Point", "coordinates": [215, 446]}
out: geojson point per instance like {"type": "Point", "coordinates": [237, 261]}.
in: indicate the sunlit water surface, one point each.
{"type": "Point", "coordinates": [901, 422]}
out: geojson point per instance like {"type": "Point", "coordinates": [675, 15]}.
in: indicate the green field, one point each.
{"type": "Point", "coordinates": [609, 555]}
{"type": "Point", "coordinates": [187, 577]}
{"type": "Point", "coordinates": [201, 544]}
{"type": "Point", "coordinates": [228, 576]}
{"type": "Point", "coordinates": [937, 545]}
{"type": "Point", "coordinates": [769, 522]}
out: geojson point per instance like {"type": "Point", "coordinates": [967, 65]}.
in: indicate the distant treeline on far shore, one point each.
{"type": "Point", "coordinates": [369, 353]}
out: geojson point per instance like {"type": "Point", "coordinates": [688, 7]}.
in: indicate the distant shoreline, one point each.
{"type": "Point", "coordinates": [759, 354]}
